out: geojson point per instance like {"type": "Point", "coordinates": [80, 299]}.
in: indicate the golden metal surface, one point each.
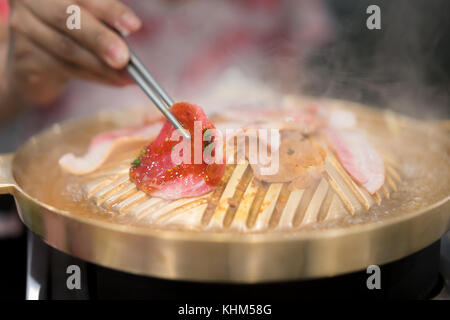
{"type": "Point", "coordinates": [43, 196]}
{"type": "Point", "coordinates": [7, 182]}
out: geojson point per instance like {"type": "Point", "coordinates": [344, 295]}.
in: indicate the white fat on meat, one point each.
{"type": "Point", "coordinates": [186, 187]}
{"type": "Point", "coordinates": [106, 146]}
{"type": "Point", "coordinates": [358, 157]}
{"type": "Point", "coordinates": [341, 119]}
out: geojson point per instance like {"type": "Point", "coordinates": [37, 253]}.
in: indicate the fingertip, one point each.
{"type": "Point", "coordinates": [130, 22]}
{"type": "Point", "coordinates": [117, 56]}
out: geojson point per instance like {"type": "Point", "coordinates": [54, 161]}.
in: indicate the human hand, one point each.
{"type": "Point", "coordinates": [44, 54]}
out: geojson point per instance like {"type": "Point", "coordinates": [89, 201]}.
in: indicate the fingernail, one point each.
{"type": "Point", "coordinates": [123, 31]}
{"type": "Point", "coordinates": [130, 22]}
{"type": "Point", "coordinates": [117, 55]}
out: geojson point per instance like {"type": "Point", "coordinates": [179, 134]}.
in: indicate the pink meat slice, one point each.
{"type": "Point", "coordinates": [358, 157]}
{"type": "Point", "coordinates": [190, 185]}
{"type": "Point", "coordinates": [157, 173]}
{"type": "Point", "coordinates": [105, 146]}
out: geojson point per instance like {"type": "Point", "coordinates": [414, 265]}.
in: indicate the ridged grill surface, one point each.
{"type": "Point", "coordinates": [241, 202]}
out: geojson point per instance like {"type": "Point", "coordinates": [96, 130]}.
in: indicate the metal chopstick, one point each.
{"type": "Point", "coordinates": [153, 90]}
{"type": "Point", "coordinates": [134, 60]}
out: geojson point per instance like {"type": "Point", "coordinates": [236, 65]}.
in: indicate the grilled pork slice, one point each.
{"type": "Point", "coordinates": [106, 146]}
{"type": "Point", "coordinates": [157, 170]}
{"type": "Point", "coordinates": [357, 156]}
{"type": "Point", "coordinates": [300, 161]}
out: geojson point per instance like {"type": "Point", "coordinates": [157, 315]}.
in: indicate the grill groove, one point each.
{"type": "Point", "coordinates": [303, 206]}
{"type": "Point", "coordinates": [216, 195]}
{"type": "Point", "coordinates": [223, 205]}
{"type": "Point", "coordinates": [280, 206]}
{"type": "Point", "coordinates": [235, 201]}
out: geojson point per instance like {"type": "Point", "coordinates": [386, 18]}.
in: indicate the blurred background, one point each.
{"type": "Point", "coordinates": [199, 48]}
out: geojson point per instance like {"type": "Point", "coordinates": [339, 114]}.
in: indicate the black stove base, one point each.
{"type": "Point", "coordinates": [413, 277]}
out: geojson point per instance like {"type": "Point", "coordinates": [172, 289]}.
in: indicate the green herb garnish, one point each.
{"type": "Point", "coordinates": [290, 151]}
{"type": "Point", "coordinates": [136, 162]}
{"type": "Point", "coordinates": [143, 150]}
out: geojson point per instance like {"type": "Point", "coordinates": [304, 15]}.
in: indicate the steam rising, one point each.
{"type": "Point", "coordinates": [403, 67]}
